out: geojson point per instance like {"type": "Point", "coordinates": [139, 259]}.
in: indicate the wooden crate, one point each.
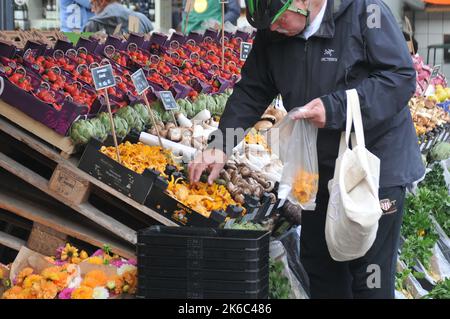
{"type": "Point", "coordinates": [38, 129]}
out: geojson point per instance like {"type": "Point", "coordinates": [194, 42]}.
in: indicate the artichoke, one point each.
{"type": "Point", "coordinates": [143, 113]}
{"type": "Point", "coordinates": [122, 128]}
{"type": "Point", "coordinates": [100, 132]}
{"type": "Point", "coordinates": [132, 117]}
{"type": "Point", "coordinates": [81, 132]}
{"type": "Point", "coordinates": [104, 118]}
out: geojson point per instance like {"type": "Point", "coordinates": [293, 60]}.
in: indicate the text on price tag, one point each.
{"type": "Point", "coordinates": [246, 47]}
{"type": "Point", "coordinates": [103, 77]}
{"type": "Point", "coordinates": [140, 81]}
{"type": "Point", "coordinates": [168, 100]}
{"type": "Point", "coordinates": [435, 72]}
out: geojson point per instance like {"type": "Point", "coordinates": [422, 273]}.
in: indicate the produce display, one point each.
{"type": "Point", "coordinates": [423, 74]}
{"type": "Point", "coordinates": [137, 117]}
{"type": "Point", "coordinates": [420, 235]}
{"type": "Point", "coordinates": [427, 115]}
{"type": "Point", "coordinates": [139, 157]}
{"type": "Point", "coordinates": [71, 274]}
{"type": "Point", "coordinates": [201, 197]}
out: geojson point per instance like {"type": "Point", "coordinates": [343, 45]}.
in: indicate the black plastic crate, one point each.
{"type": "Point", "coordinates": [200, 264]}
{"type": "Point", "coordinates": [200, 285]}
{"type": "Point", "coordinates": [193, 252]}
{"type": "Point", "coordinates": [144, 293]}
{"type": "Point", "coordinates": [204, 274]}
{"type": "Point", "coordinates": [203, 238]}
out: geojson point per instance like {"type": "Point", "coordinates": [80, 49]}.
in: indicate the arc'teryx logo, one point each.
{"type": "Point", "coordinates": [328, 56]}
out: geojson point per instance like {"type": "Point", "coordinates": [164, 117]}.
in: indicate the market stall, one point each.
{"type": "Point", "coordinates": [99, 165]}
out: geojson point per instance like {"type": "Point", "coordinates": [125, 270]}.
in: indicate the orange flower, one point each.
{"type": "Point", "coordinates": [118, 284]}
{"type": "Point", "coordinates": [82, 292]}
{"type": "Point", "coordinates": [13, 293]}
{"type": "Point", "coordinates": [44, 289]}
{"type": "Point", "coordinates": [130, 278]}
{"type": "Point", "coordinates": [94, 279]}
{"type": "Point", "coordinates": [23, 274]}
{"type": "Point", "coordinates": [305, 186]}
{"type": "Point", "coordinates": [31, 280]}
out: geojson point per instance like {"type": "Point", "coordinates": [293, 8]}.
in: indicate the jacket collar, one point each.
{"type": "Point", "coordinates": [333, 10]}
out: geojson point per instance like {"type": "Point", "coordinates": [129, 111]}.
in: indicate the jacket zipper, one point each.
{"type": "Point", "coordinates": [306, 73]}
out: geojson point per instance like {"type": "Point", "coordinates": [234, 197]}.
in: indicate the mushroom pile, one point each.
{"type": "Point", "coordinates": [271, 117]}
{"type": "Point", "coordinates": [195, 135]}
{"type": "Point", "coordinates": [241, 180]}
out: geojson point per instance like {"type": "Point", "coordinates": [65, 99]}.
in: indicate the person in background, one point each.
{"type": "Point", "coordinates": [74, 14]}
{"type": "Point", "coordinates": [205, 10]}
{"type": "Point", "coordinates": [110, 13]}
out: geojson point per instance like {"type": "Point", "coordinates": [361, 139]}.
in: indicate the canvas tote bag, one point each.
{"type": "Point", "coordinates": [354, 207]}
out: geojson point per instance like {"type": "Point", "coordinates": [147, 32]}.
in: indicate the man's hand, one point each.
{"type": "Point", "coordinates": [211, 159]}
{"type": "Point", "coordinates": [314, 111]}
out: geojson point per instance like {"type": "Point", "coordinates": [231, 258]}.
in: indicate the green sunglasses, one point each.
{"type": "Point", "coordinates": [289, 7]}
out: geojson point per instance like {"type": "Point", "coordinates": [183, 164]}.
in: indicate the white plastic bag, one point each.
{"type": "Point", "coordinates": [300, 177]}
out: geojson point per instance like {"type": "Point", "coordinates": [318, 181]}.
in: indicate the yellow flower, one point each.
{"type": "Point", "coordinates": [83, 292]}
{"type": "Point", "coordinates": [69, 252]}
{"type": "Point", "coordinates": [83, 255]}
{"type": "Point", "coordinates": [96, 260]}
{"type": "Point", "coordinates": [76, 260]}
{"type": "Point", "coordinates": [30, 280]}
{"type": "Point", "coordinates": [421, 233]}
{"type": "Point", "coordinates": [23, 274]}
{"type": "Point", "coordinates": [58, 275]}
{"type": "Point", "coordinates": [1, 274]}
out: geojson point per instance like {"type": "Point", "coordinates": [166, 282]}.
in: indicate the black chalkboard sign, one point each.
{"type": "Point", "coordinates": [168, 100]}
{"type": "Point", "coordinates": [246, 47]}
{"type": "Point", "coordinates": [103, 77]}
{"type": "Point", "coordinates": [140, 81]}
{"type": "Point", "coordinates": [435, 72]}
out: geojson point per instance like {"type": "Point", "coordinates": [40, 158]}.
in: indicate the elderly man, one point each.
{"type": "Point", "coordinates": [110, 13]}
{"type": "Point", "coordinates": [311, 52]}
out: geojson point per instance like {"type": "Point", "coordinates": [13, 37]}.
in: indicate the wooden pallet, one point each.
{"type": "Point", "coordinates": [72, 187]}
{"type": "Point", "coordinates": [38, 129]}
{"type": "Point", "coordinates": [51, 227]}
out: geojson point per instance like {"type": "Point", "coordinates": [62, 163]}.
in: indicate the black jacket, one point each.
{"type": "Point", "coordinates": [347, 52]}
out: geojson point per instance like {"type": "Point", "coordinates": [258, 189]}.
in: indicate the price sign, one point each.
{"type": "Point", "coordinates": [435, 72]}
{"type": "Point", "coordinates": [168, 100]}
{"type": "Point", "coordinates": [140, 81]}
{"type": "Point", "coordinates": [246, 47]}
{"type": "Point", "coordinates": [103, 77]}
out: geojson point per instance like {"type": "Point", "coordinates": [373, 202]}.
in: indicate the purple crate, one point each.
{"type": "Point", "coordinates": [136, 39]}
{"type": "Point", "coordinates": [39, 48]}
{"type": "Point", "coordinates": [158, 38]}
{"type": "Point", "coordinates": [244, 36]}
{"type": "Point", "coordinates": [115, 42]}
{"type": "Point", "coordinates": [200, 86]}
{"type": "Point", "coordinates": [178, 37]}
{"type": "Point", "coordinates": [89, 44]}
{"type": "Point", "coordinates": [63, 45]}
{"type": "Point", "coordinates": [59, 121]}
{"type": "Point", "coordinates": [210, 33]}
{"type": "Point", "coordinates": [7, 50]}
{"type": "Point", "coordinates": [197, 37]}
